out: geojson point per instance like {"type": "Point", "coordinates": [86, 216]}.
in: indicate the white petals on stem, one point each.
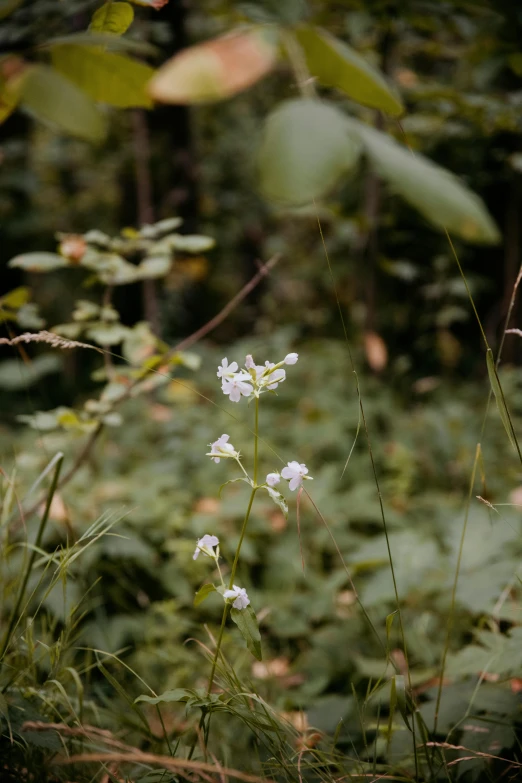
{"type": "Point", "coordinates": [273, 479]}
{"type": "Point", "coordinates": [206, 545]}
{"type": "Point", "coordinates": [225, 370]}
{"type": "Point", "coordinates": [239, 385]}
{"type": "Point", "coordinates": [254, 379]}
{"type": "Point", "coordinates": [240, 594]}
{"type": "Point", "coordinates": [294, 473]}
{"type": "Point", "coordinates": [222, 448]}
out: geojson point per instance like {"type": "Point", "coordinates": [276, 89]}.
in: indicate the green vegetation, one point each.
{"type": "Point", "coordinates": [177, 599]}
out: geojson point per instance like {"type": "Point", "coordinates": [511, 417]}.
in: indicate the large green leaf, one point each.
{"type": "Point", "coordinates": [105, 76]}
{"type": "Point", "coordinates": [305, 149]}
{"type": "Point", "coordinates": [113, 18]}
{"type": "Point", "coordinates": [55, 100]}
{"type": "Point", "coordinates": [438, 194]}
{"type": "Point", "coordinates": [335, 64]}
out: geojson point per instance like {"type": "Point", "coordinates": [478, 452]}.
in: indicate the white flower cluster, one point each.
{"type": "Point", "coordinates": [253, 378]}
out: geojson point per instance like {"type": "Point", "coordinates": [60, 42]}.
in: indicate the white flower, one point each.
{"type": "Point", "coordinates": [240, 594]}
{"type": "Point", "coordinates": [239, 385]}
{"type": "Point", "coordinates": [225, 370]}
{"type": "Point", "coordinates": [272, 479]}
{"type": "Point", "coordinates": [275, 378]}
{"type": "Point", "coordinates": [291, 358]}
{"type": "Point", "coordinates": [221, 448]}
{"type": "Point", "coordinates": [270, 379]}
{"type": "Point", "coordinates": [205, 545]}
{"type": "Point", "coordinates": [295, 473]}
{"type": "Point", "coordinates": [249, 362]}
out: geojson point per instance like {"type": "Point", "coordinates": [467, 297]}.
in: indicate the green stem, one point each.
{"type": "Point", "coordinates": [15, 618]}
{"type": "Point", "coordinates": [234, 564]}
{"type": "Point", "coordinates": [256, 439]}
{"type": "Point", "coordinates": [451, 617]}
{"type": "Point", "coordinates": [218, 649]}
{"type": "Point", "coordinates": [241, 537]}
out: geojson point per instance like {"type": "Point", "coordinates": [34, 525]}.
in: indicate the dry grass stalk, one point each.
{"type": "Point", "coordinates": [47, 337]}
{"type": "Point", "coordinates": [183, 766]}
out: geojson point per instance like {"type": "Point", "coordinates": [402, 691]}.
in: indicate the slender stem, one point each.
{"type": "Point", "coordinates": [256, 440]}
{"type": "Point", "coordinates": [451, 616]}
{"type": "Point", "coordinates": [298, 62]}
{"type": "Point", "coordinates": [241, 537]}
{"type": "Point", "coordinates": [238, 551]}
{"type": "Point", "coordinates": [219, 572]}
{"type": "Point", "coordinates": [218, 649]}
{"type": "Point", "coordinates": [225, 610]}
{"type": "Point", "coordinates": [43, 522]}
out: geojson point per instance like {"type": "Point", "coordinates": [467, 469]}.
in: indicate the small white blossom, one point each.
{"type": "Point", "coordinates": [205, 545]}
{"type": "Point", "coordinates": [294, 473]}
{"type": "Point", "coordinates": [272, 479]}
{"type": "Point", "coordinates": [226, 370]}
{"type": "Point", "coordinates": [291, 358]}
{"type": "Point", "coordinates": [239, 385]}
{"type": "Point", "coordinates": [222, 448]}
{"type": "Point", "coordinates": [275, 378]}
{"type": "Point", "coordinates": [249, 362]}
{"type": "Point", "coordinates": [240, 594]}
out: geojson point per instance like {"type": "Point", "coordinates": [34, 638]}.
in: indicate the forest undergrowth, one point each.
{"type": "Point", "coordinates": [175, 610]}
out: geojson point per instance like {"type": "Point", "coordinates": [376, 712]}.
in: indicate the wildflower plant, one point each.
{"type": "Point", "coordinates": [251, 382]}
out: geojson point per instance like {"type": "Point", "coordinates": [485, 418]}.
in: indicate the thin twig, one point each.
{"type": "Point", "coordinates": [264, 269]}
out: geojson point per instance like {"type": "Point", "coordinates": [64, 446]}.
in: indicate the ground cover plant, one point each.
{"type": "Point", "coordinates": [281, 540]}
{"type": "Point", "coordinates": [113, 597]}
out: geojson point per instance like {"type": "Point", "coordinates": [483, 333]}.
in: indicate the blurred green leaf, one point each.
{"type": "Point", "coordinates": [8, 6]}
{"type": "Point", "coordinates": [246, 621]}
{"type": "Point", "coordinates": [38, 262]}
{"type": "Point", "coordinates": [9, 96]}
{"type": "Point", "coordinates": [154, 267]}
{"type": "Point", "coordinates": [105, 76]}
{"type": "Point", "coordinates": [106, 40]}
{"type": "Point", "coordinates": [113, 18]}
{"type": "Point", "coordinates": [176, 695]}
{"type": "Point", "coordinates": [335, 64]}
{"type": "Point", "coordinates": [15, 374]}
{"type": "Point", "coordinates": [438, 194]}
{"type": "Point", "coordinates": [191, 243]}
{"type": "Point", "coordinates": [305, 149]}
{"type": "Point", "coordinates": [55, 100]}
{"type": "Point", "coordinates": [107, 333]}
{"type": "Point", "coordinates": [16, 298]}
{"type": "Point", "coordinates": [203, 593]}
{"type": "Point", "coordinates": [85, 310]}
